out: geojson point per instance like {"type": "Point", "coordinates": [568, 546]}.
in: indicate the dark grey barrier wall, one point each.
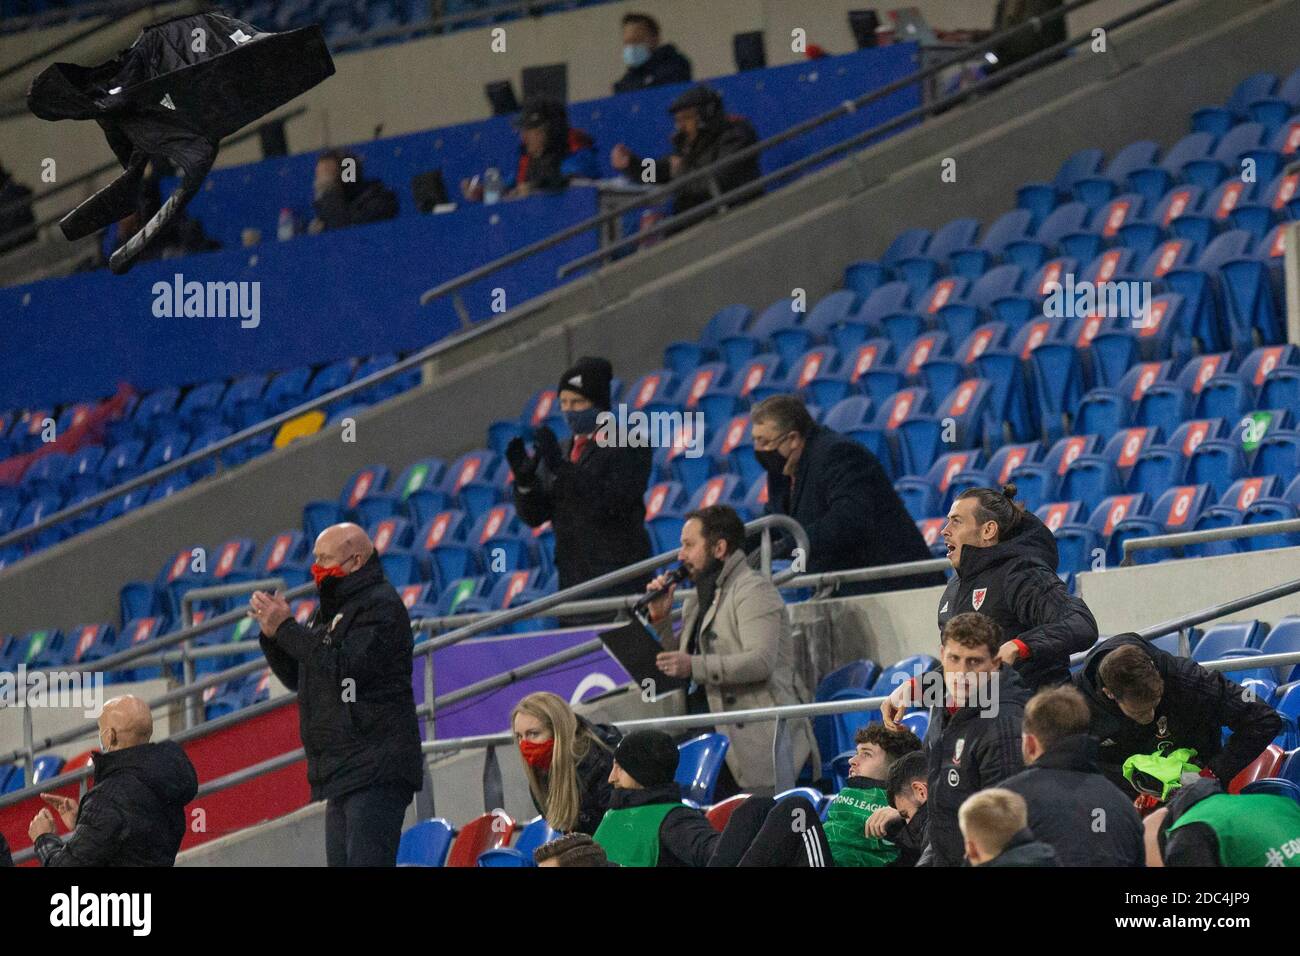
{"type": "Point", "coordinates": [1158, 70]}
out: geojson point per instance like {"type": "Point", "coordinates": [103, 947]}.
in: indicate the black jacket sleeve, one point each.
{"type": "Point", "coordinates": [1062, 623]}
{"type": "Point", "coordinates": [284, 667]}
{"type": "Point", "coordinates": [689, 836]}
{"type": "Point", "coordinates": [1192, 845]}
{"type": "Point", "coordinates": [738, 135]}
{"type": "Point", "coordinates": [6, 859]}
{"type": "Point", "coordinates": [94, 841]}
{"type": "Point", "coordinates": [1226, 703]}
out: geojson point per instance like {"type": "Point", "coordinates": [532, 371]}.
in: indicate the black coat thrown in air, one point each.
{"type": "Point", "coordinates": [1074, 809]}
{"type": "Point", "coordinates": [595, 506]}
{"type": "Point", "coordinates": [134, 815]}
{"type": "Point", "coordinates": [851, 512]}
{"type": "Point", "coordinates": [1022, 592]}
{"type": "Point", "coordinates": [172, 96]}
{"type": "Point", "coordinates": [1196, 704]}
{"type": "Point", "coordinates": [366, 732]}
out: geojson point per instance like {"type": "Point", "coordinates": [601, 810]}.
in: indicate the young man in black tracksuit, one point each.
{"type": "Point", "coordinates": [1073, 808]}
{"type": "Point", "coordinates": [1005, 559]}
{"type": "Point", "coordinates": [590, 492]}
{"type": "Point", "coordinates": [995, 828]}
{"type": "Point", "coordinates": [904, 822]}
{"type": "Point", "coordinates": [1142, 698]}
{"type": "Point", "coordinates": [973, 742]}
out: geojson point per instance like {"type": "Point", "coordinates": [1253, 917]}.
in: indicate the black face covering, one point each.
{"type": "Point", "coordinates": [771, 460]}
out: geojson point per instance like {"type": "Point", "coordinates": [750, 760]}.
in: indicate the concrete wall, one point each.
{"type": "Point", "coordinates": [435, 81]}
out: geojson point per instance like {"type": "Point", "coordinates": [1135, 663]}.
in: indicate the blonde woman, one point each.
{"type": "Point", "coordinates": [567, 760]}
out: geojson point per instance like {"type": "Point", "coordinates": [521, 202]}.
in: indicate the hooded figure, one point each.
{"type": "Point", "coordinates": [134, 815]}
{"type": "Point", "coordinates": [1015, 583]}
{"type": "Point", "coordinates": [176, 92]}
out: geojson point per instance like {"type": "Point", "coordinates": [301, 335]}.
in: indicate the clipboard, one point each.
{"type": "Point", "coordinates": [635, 646]}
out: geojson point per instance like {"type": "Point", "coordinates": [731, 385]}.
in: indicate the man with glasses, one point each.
{"type": "Point", "coordinates": [838, 491]}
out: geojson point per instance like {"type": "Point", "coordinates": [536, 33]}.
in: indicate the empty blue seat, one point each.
{"type": "Point", "coordinates": [699, 762]}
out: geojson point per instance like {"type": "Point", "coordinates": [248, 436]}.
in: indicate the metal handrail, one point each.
{"type": "Point", "coordinates": [660, 193]}
{"type": "Point", "coordinates": [133, 655]}
{"type": "Point", "coordinates": [1130, 545]}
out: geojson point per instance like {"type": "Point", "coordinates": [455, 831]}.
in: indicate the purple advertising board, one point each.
{"type": "Point", "coordinates": [478, 658]}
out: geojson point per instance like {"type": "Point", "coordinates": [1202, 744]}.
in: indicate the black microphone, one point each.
{"type": "Point", "coordinates": [675, 576]}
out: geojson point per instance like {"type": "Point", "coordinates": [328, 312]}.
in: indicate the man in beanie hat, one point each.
{"type": "Point", "coordinates": [646, 823]}
{"type": "Point", "coordinates": [590, 491]}
{"type": "Point", "coordinates": [704, 134]}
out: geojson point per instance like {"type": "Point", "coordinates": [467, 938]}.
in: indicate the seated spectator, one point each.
{"type": "Point", "coordinates": [17, 222]}
{"type": "Point", "coordinates": [551, 153]}
{"type": "Point", "coordinates": [134, 812]}
{"type": "Point", "coordinates": [865, 794]}
{"type": "Point", "coordinates": [974, 737]}
{"type": "Point", "coordinates": [1073, 808]}
{"type": "Point", "coordinates": [904, 822]}
{"type": "Point", "coordinates": [647, 824]}
{"type": "Point", "coordinates": [567, 760]}
{"type": "Point", "coordinates": [648, 61]}
{"type": "Point", "coordinates": [1142, 699]}
{"type": "Point", "coordinates": [995, 826]}
{"type": "Point", "coordinates": [344, 197]}
{"type": "Point", "coordinates": [790, 833]}
{"type": "Point", "coordinates": [572, 849]}
{"type": "Point", "coordinates": [704, 135]}
{"type": "Point", "coordinates": [1203, 826]}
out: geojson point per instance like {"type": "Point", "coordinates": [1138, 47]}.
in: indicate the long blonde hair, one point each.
{"type": "Point", "coordinates": [558, 795]}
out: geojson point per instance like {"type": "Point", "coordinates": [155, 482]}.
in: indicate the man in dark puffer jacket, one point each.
{"type": "Point", "coordinates": [135, 813]}
{"type": "Point", "coordinates": [351, 666]}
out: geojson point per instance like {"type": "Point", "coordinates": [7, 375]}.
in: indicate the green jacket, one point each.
{"type": "Point", "coordinates": [846, 822]}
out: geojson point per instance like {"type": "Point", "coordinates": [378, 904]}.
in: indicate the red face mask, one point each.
{"type": "Point", "coordinates": [537, 755]}
{"type": "Point", "coordinates": [319, 574]}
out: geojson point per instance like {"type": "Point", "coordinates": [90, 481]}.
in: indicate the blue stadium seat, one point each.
{"type": "Point", "coordinates": [700, 761]}
{"type": "Point", "coordinates": [426, 843]}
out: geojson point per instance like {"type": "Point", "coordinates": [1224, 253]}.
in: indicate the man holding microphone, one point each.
{"type": "Point", "coordinates": [734, 646]}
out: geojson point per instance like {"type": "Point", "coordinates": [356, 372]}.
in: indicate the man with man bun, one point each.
{"type": "Point", "coordinates": [1005, 559]}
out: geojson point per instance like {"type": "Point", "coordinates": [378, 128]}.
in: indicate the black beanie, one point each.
{"type": "Point", "coordinates": [590, 378]}
{"type": "Point", "coordinates": [650, 756]}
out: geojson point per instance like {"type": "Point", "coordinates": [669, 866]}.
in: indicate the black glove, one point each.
{"type": "Point", "coordinates": [521, 466]}
{"type": "Point", "coordinates": [548, 449]}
